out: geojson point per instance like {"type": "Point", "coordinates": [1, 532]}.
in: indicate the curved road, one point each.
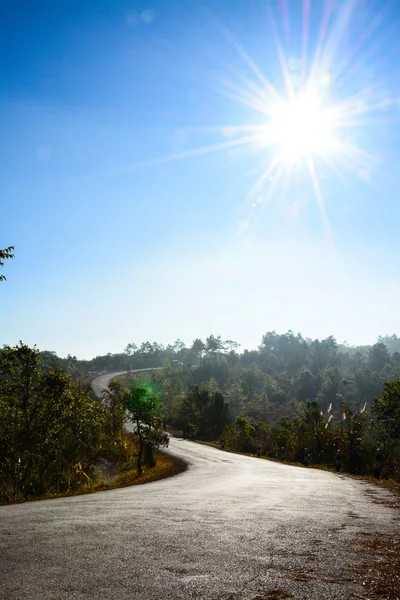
{"type": "Point", "coordinates": [102, 381]}
{"type": "Point", "coordinates": [226, 528]}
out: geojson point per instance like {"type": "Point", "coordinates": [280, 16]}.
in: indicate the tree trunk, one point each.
{"type": "Point", "coordinates": [139, 458]}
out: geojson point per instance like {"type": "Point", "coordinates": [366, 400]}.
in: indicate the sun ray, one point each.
{"type": "Point", "coordinates": [304, 38]}
{"type": "Point", "coordinates": [346, 61]}
{"type": "Point", "coordinates": [266, 95]}
{"type": "Point", "coordinates": [244, 97]}
{"type": "Point", "coordinates": [334, 166]}
{"type": "Point", "coordinates": [187, 154]}
{"type": "Point", "coordinates": [357, 103]}
{"type": "Point", "coordinates": [241, 97]}
{"type": "Point", "coordinates": [335, 37]}
{"type": "Point", "coordinates": [358, 56]}
{"type": "Point", "coordinates": [282, 61]}
{"type": "Point", "coordinates": [286, 18]}
{"type": "Point", "coordinates": [260, 76]}
{"type": "Point", "coordinates": [318, 194]}
{"type": "Point", "coordinates": [274, 183]}
{"type": "Point", "coordinates": [266, 175]}
{"type": "Point", "coordinates": [321, 36]}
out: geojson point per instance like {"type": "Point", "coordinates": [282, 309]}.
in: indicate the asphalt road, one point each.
{"type": "Point", "coordinates": [226, 528]}
{"type": "Point", "coordinates": [100, 382]}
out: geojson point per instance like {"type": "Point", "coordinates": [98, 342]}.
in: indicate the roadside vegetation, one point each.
{"type": "Point", "coordinates": [311, 397]}
{"type": "Point", "coordinates": [56, 439]}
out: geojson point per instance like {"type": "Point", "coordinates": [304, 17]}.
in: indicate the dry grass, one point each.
{"type": "Point", "coordinates": [380, 573]}
{"type": "Point", "coordinates": [387, 484]}
{"type": "Point", "coordinates": [166, 466]}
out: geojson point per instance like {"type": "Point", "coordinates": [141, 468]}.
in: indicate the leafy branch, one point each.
{"type": "Point", "coordinates": [4, 255]}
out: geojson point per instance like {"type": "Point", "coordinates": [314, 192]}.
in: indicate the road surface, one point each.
{"type": "Point", "coordinates": [102, 381]}
{"type": "Point", "coordinates": [226, 528]}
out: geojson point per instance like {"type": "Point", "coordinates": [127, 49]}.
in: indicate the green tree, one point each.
{"type": "Point", "coordinates": [131, 349]}
{"type": "Point", "coordinates": [324, 353]}
{"type": "Point", "coordinates": [283, 352]}
{"type": "Point", "coordinates": [71, 428]}
{"type": "Point", "coordinates": [231, 345]}
{"type": "Point", "coordinates": [378, 357]}
{"type": "Point", "coordinates": [244, 434]}
{"type": "Point", "coordinates": [237, 395]}
{"type": "Point", "coordinates": [5, 255]}
{"type": "Point", "coordinates": [143, 406]}
{"type": "Point", "coordinates": [386, 409]}
{"type": "Point", "coordinates": [198, 348]}
{"type": "Point", "coordinates": [330, 380]}
{"type": "Point", "coordinates": [214, 344]}
{"type": "Point", "coordinates": [304, 385]}
{"type": "Point", "coordinates": [205, 409]}
{"type": "Point", "coordinates": [50, 428]}
{"type": "Point", "coordinates": [352, 443]}
{"type": "Point", "coordinates": [114, 399]}
{"type": "Point", "coordinates": [392, 342]}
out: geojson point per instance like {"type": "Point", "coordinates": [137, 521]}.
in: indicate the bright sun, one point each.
{"type": "Point", "coordinates": [300, 127]}
{"type": "Point", "coordinates": [307, 124]}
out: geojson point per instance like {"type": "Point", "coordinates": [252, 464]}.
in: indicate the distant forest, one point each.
{"type": "Point", "coordinates": [312, 399]}
{"type": "Point", "coordinates": [286, 371]}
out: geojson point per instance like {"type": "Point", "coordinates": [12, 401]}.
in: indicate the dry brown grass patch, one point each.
{"type": "Point", "coordinates": [380, 574]}
{"type": "Point", "coordinates": [300, 575]}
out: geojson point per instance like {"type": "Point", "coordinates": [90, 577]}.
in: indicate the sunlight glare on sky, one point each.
{"type": "Point", "coordinates": [172, 170]}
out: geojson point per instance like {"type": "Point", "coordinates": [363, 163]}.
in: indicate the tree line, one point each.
{"type": "Point", "coordinates": [293, 392]}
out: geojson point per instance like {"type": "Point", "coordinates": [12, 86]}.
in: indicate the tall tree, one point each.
{"type": "Point", "coordinates": [205, 409]}
{"type": "Point", "coordinates": [114, 399]}
{"type": "Point", "coordinates": [378, 357]}
{"type": "Point", "coordinates": [214, 344]}
{"type": "Point", "coordinates": [392, 342]}
{"type": "Point", "coordinates": [198, 348]}
{"type": "Point", "coordinates": [386, 409]}
{"type": "Point", "coordinates": [143, 406]}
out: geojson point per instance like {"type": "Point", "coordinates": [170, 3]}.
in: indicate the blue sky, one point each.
{"type": "Point", "coordinates": [126, 183]}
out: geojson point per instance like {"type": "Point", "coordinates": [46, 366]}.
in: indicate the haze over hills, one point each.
{"type": "Point", "coordinates": [285, 369]}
